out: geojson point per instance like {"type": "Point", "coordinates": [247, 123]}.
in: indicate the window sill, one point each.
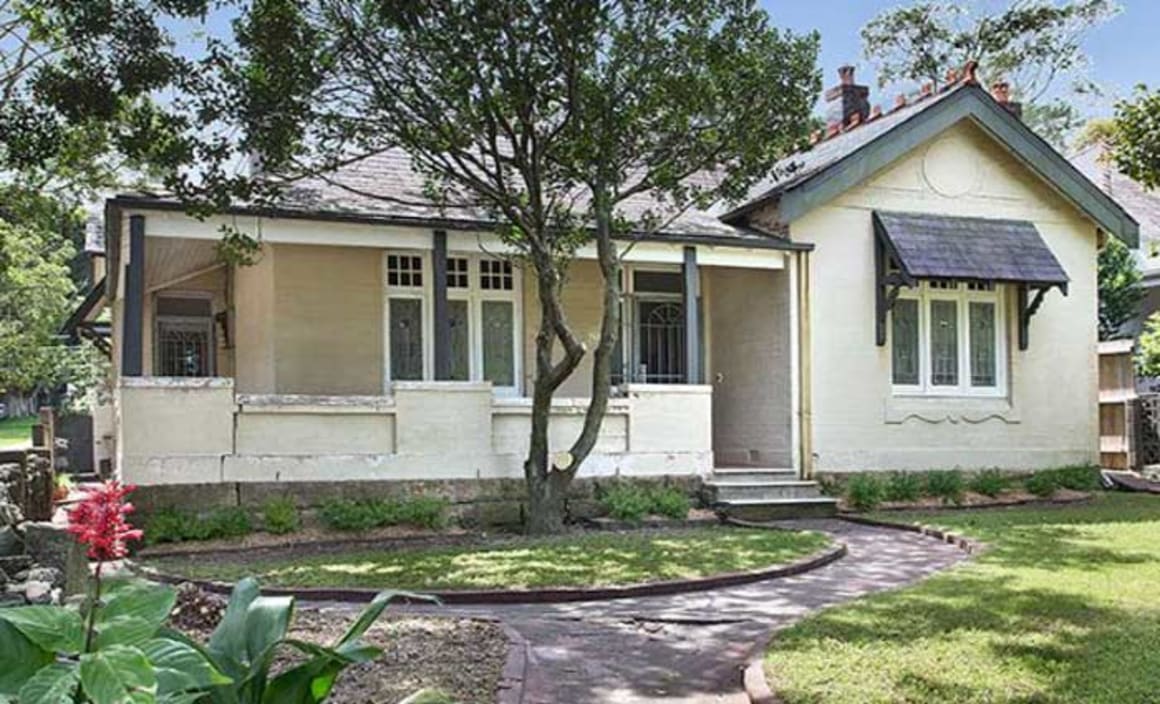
{"type": "Point", "coordinates": [949, 409]}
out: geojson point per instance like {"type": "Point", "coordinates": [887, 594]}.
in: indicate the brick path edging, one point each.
{"type": "Point", "coordinates": [534, 596]}
{"type": "Point", "coordinates": [753, 678]}
{"type": "Point", "coordinates": [514, 677]}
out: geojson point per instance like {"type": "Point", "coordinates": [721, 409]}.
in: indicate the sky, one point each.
{"type": "Point", "coordinates": [1123, 51]}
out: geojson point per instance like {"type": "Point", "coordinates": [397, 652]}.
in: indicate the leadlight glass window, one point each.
{"type": "Point", "coordinates": [947, 339]}
{"type": "Point", "coordinates": [944, 343]}
{"type": "Point", "coordinates": [457, 312]}
{"type": "Point", "coordinates": [495, 275]}
{"type": "Point", "coordinates": [982, 343]}
{"type": "Point", "coordinates": [498, 319]}
{"type": "Point", "coordinates": [404, 270]}
{"type": "Point", "coordinates": [406, 338]}
{"type": "Point", "coordinates": [904, 353]}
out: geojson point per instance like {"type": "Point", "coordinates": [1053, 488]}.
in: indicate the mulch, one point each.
{"type": "Point", "coordinates": [461, 657]}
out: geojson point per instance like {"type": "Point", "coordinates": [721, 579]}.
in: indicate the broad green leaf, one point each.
{"type": "Point", "coordinates": [137, 599]}
{"type": "Point", "coordinates": [22, 659]}
{"type": "Point", "coordinates": [51, 685]}
{"type": "Point", "coordinates": [53, 628]}
{"type": "Point", "coordinates": [124, 630]}
{"type": "Point", "coordinates": [375, 609]}
{"type": "Point", "coordinates": [230, 635]}
{"type": "Point", "coordinates": [267, 621]}
{"type": "Point", "coordinates": [180, 667]}
{"type": "Point", "coordinates": [307, 683]}
{"type": "Point", "coordinates": [116, 675]}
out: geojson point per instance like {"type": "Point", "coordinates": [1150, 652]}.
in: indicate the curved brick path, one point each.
{"type": "Point", "coordinates": [690, 647]}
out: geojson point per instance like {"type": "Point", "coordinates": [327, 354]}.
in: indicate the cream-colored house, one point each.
{"type": "Point", "coordinates": [916, 291]}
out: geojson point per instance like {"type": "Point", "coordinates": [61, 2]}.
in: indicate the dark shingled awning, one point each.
{"type": "Point", "coordinates": [941, 247]}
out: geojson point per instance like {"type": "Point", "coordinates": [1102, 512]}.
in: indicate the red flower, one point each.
{"type": "Point", "coordinates": [99, 521]}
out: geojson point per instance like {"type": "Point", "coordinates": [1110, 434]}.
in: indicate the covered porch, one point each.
{"type": "Point", "coordinates": [354, 351]}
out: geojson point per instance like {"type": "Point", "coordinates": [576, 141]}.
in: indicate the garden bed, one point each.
{"type": "Point", "coordinates": [316, 538]}
{"type": "Point", "coordinates": [579, 559]}
{"type": "Point", "coordinates": [461, 658]}
{"type": "Point", "coordinates": [972, 500]}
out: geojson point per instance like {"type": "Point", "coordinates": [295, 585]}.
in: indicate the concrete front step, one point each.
{"type": "Point", "coordinates": [779, 509]}
{"type": "Point", "coordinates": [735, 490]}
{"type": "Point", "coordinates": [754, 474]}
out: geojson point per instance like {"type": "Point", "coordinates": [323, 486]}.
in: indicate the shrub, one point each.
{"type": "Point", "coordinates": [1042, 484]}
{"type": "Point", "coordinates": [989, 482]}
{"type": "Point", "coordinates": [420, 511]}
{"type": "Point", "coordinates": [1080, 477]}
{"type": "Point", "coordinates": [946, 485]}
{"type": "Point", "coordinates": [626, 502]}
{"type": "Point", "coordinates": [903, 486]}
{"type": "Point", "coordinates": [829, 486]}
{"type": "Point", "coordinates": [280, 516]}
{"type": "Point", "coordinates": [174, 526]}
{"type": "Point", "coordinates": [864, 492]}
{"type": "Point", "coordinates": [670, 502]}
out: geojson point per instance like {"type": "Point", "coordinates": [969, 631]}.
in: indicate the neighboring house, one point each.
{"type": "Point", "coordinates": [1142, 205]}
{"type": "Point", "coordinates": [918, 292]}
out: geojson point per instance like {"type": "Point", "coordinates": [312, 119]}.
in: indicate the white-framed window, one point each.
{"type": "Point", "coordinates": [948, 338]}
{"type": "Point", "coordinates": [183, 335]}
{"type": "Point", "coordinates": [483, 307]}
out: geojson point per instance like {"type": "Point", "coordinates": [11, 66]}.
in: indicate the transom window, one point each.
{"type": "Point", "coordinates": [483, 321]}
{"type": "Point", "coordinates": [183, 336]}
{"type": "Point", "coordinates": [947, 338]}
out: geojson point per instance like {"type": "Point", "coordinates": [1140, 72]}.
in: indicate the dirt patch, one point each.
{"type": "Point", "coordinates": [461, 657]}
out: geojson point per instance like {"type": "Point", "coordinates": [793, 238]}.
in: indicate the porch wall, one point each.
{"type": "Point", "coordinates": [200, 431]}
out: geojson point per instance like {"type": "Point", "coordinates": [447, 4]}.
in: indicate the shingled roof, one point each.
{"type": "Point", "coordinates": [1143, 205]}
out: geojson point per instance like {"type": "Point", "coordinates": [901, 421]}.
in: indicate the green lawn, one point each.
{"type": "Point", "coordinates": [16, 432]}
{"type": "Point", "coordinates": [1064, 607]}
{"type": "Point", "coordinates": [576, 560]}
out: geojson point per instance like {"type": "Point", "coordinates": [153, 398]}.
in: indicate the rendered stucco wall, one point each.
{"type": "Point", "coordinates": [583, 306]}
{"type": "Point", "coordinates": [1050, 414]}
{"type": "Point", "coordinates": [253, 327]}
{"type": "Point", "coordinates": [749, 352]}
{"type": "Point", "coordinates": [328, 324]}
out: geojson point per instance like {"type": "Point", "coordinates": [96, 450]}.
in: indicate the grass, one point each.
{"type": "Point", "coordinates": [566, 561]}
{"type": "Point", "coordinates": [16, 432]}
{"type": "Point", "coordinates": [1062, 608]}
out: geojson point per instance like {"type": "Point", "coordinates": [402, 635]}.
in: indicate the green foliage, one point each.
{"type": "Point", "coordinates": [280, 516]}
{"type": "Point", "coordinates": [174, 525]}
{"type": "Point", "coordinates": [1120, 291]}
{"type": "Point", "coordinates": [864, 491]}
{"type": "Point", "coordinates": [1148, 347]}
{"type": "Point", "coordinates": [419, 511]}
{"type": "Point", "coordinates": [989, 482]}
{"type": "Point", "coordinates": [1032, 44]}
{"type": "Point", "coordinates": [111, 651]}
{"type": "Point", "coordinates": [255, 628]}
{"type": "Point", "coordinates": [1042, 484]}
{"type": "Point", "coordinates": [903, 487]}
{"type": "Point", "coordinates": [1079, 477]}
{"type": "Point", "coordinates": [1136, 138]}
{"type": "Point", "coordinates": [947, 485]}
{"type": "Point", "coordinates": [632, 502]}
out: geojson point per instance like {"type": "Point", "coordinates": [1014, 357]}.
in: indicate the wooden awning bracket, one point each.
{"type": "Point", "coordinates": [1028, 306]}
{"type": "Point", "coordinates": [887, 283]}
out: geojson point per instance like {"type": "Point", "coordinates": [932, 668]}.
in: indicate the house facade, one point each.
{"type": "Point", "coordinates": [916, 291]}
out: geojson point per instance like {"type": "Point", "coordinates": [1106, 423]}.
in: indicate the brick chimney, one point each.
{"type": "Point", "coordinates": [1001, 92]}
{"type": "Point", "coordinates": [847, 99]}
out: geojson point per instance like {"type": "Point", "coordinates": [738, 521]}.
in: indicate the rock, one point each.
{"type": "Point", "coordinates": [38, 592]}
{"type": "Point", "coordinates": [53, 546]}
{"type": "Point", "coordinates": [10, 542]}
{"type": "Point", "coordinates": [15, 564]}
{"type": "Point", "coordinates": [12, 599]}
{"type": "Point", "coordinates": [46, 574]}
{"type": "Point", "coordinates": [21, 576]}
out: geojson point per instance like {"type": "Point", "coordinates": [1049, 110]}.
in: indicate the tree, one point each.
{"type": "Point", "coordinates": [545, 116]}
{"type": "Point", "coordinates": [1032, 44]}
{"type": "Point", "coordinates": [1119, 289]}
{"type": "Point", "coordinates": [1148, 348]}
{"type": "Point", "coordinates": [1135, 137]}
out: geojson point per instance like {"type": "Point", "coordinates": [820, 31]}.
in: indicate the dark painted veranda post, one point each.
{"type": "Point", "coordinates": [440, 308]}
{"type": "Point", "coordinates": [132, 354]}
{"type": "Point", "coordinates": [692, 295]}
